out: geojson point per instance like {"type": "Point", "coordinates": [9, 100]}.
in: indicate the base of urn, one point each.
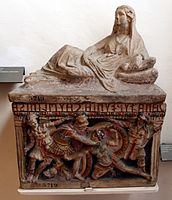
{"type": "Point", "coordinates": [87, 191]}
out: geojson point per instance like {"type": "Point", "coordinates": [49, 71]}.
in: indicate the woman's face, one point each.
{"type": "Point", "coordinates": [122, 18]}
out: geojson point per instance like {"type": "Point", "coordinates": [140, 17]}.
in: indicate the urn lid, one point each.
{"type": "Point", "coordinates": [47, 92]}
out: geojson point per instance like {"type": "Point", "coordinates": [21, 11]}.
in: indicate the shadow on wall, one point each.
{"type": "Point", "coordinates": [8, 167]}
{"type": "Point", "coordinates": [5, 105]}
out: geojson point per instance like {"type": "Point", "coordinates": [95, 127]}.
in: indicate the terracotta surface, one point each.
{"type": "Point", "coordinates": [119, 58]}
{"type": "Point", "coordinates": [91, 118]}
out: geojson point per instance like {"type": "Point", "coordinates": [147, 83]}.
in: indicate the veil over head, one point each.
{"type": "Point", "coordinates": [130, 13]}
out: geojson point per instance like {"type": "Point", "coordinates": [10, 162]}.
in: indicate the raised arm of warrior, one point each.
{"type": "Point", "coordinates": [82, 139]}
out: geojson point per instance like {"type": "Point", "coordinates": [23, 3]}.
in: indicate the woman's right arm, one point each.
{"type": "Point", "coordinates": [94, 49]}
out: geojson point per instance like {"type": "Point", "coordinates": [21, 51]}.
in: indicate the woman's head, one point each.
{"type": "Point", "coordinates": [125, 12]}
{"type": "Point", "coordinates": [124, 18]}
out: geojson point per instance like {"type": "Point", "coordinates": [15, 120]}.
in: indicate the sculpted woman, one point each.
{"type": "Point", "coordinates": [120, 56]}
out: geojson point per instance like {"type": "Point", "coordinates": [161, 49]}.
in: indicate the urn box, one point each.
{"type": "Point", "coordinates": [117, 146]}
